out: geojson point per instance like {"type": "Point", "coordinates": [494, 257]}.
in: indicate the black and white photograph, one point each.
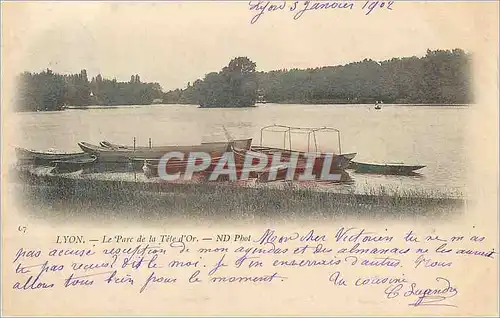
{"type": "Point", "coordinates": [93, 125]}
{"type": "Point", "coordinates": [252, 116]}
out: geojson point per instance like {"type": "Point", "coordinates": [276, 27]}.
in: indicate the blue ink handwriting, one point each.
{"type": "Point", "coordinates": [299, 8]}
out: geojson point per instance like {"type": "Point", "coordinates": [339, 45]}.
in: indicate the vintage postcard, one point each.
{"type": "Point", "coordinates": [334, 158]}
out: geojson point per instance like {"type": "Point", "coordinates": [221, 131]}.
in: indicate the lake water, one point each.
{"type": "Point", "coordinates": [429, 135]}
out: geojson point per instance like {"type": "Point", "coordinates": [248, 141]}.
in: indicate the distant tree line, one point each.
{"type": "Point", "coordinates": [51, 91]}
{"type": "Point", "coordinates": [440, 77]}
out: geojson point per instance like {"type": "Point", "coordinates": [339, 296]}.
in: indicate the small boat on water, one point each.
{"type": "Point", "coordinates": [240, 143]}
{"type": "Point", "coordinates": [173, 165]}
{"type": "Point", "coordinates": [336, 165]}
{"type": "Point", "coordinates": [119, 153]}
{"type": "Point", "coordinates": [150, 167]}
{"type": "Point", "coordinates": [72, 165]}
{"type": "Point", "coordinates": [46, 157]}
{"type": "Point", "coordinates": [281, 174]}
{"type": "Point", "coordinates": [387, 169]}
{"type": "Point", "coordinates": [342, 160]}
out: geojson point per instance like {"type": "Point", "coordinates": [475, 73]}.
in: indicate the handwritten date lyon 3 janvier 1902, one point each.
{"type": "Point", "coordinates": [298, 8]}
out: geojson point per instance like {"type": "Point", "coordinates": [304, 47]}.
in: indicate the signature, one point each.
{"type": "Point", "coordinates": [425, 296]}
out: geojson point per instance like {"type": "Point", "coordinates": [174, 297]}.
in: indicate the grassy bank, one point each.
{"type": "Point", "coordinates": [67, 197]}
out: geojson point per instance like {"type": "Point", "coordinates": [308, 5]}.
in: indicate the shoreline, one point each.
{"type": "Point", "coordinates": [216, 199]}
{"type": "Point", "coordinates": [90, 107]}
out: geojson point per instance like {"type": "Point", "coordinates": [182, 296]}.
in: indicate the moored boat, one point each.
{"type": "Point", "coordinates": [72, 165]}
{"type": "Point", "coordinates": [280, 174]}
{"type": "Point", "coordinates": [106, 154]}
{"type": "Point", "coordinates": [151, 168]}
{"type": "Point", "coordinates": [123, 154]}
{"type": "Point", "coordinates": [388, 169]}
{"type": "Point", "coordinates": [210, 146]}
{"type": "Point", "coordinates": [341, 161]}
{"type": "Point", "coordinates": [173, 165]}
{"type": "Point", "coordinates": [317, 169]}
{"type": "Point", "coordinates": [40, 157]}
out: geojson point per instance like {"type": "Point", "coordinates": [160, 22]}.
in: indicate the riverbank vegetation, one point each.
{"type": "Point", "coordinates": [49, 91]}
{"type": "Point", "coordinates": [439, 77]}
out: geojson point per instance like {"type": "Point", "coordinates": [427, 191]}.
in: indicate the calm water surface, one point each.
{"type": "Point", "coordinates": [428, 135]}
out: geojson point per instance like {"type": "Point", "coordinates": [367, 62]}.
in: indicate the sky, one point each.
{"type": "Point", "coordinates": [173, 43]}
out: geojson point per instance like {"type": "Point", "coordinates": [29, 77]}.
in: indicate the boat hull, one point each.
{"type": "Point", "coordinates": [206, 146]}
{"type": "Point", "coordinates": [265, 175]}
{"type": "Point", "coordinates": [386, 169]}
{"type": "Point", "coordinates": [340, 161]}
{"type": "Point", "coordinates": [38, 157]}
{"type": "Point", "coordinates": [152, 169]}
{"type": "Point", "coordinates": [124, 155]}
{"type": "Point", "coordinates": [318, 171]}
{"type": "Point", "coordinates": [72, 165]}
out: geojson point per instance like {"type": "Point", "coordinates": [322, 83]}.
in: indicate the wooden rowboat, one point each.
{"type": "Point", "coordinates": [388, 169]}
{"type": "Point", "coordinates": [39, 157]}
{"type": "Point", "coordinates": [123, 154]}
{"type": "Point", "coordinates": [342, 161]}
{"type": "Point", "coordinates": [150, 168]}
{"type": "Point", "coordinates": [302, 164]}
{"type": "Point", "coordinates": [72, 165]}
{"type": "Point", "coordinates": [173, 165]}
{"type": "Point", "coordinates": [211, 146]}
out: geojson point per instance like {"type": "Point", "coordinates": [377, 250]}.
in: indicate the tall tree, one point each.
{"type": "Point", "coordinates": [234, 86]}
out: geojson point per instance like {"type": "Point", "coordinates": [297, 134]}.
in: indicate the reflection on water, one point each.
{"type": "Point", "coordinates": [430, 136]}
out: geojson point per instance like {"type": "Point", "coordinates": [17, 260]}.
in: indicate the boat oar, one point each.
{"type": "Point", "coordinates": [229, 138]}
{"type": "Point", "coordinates": [228, 135]}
